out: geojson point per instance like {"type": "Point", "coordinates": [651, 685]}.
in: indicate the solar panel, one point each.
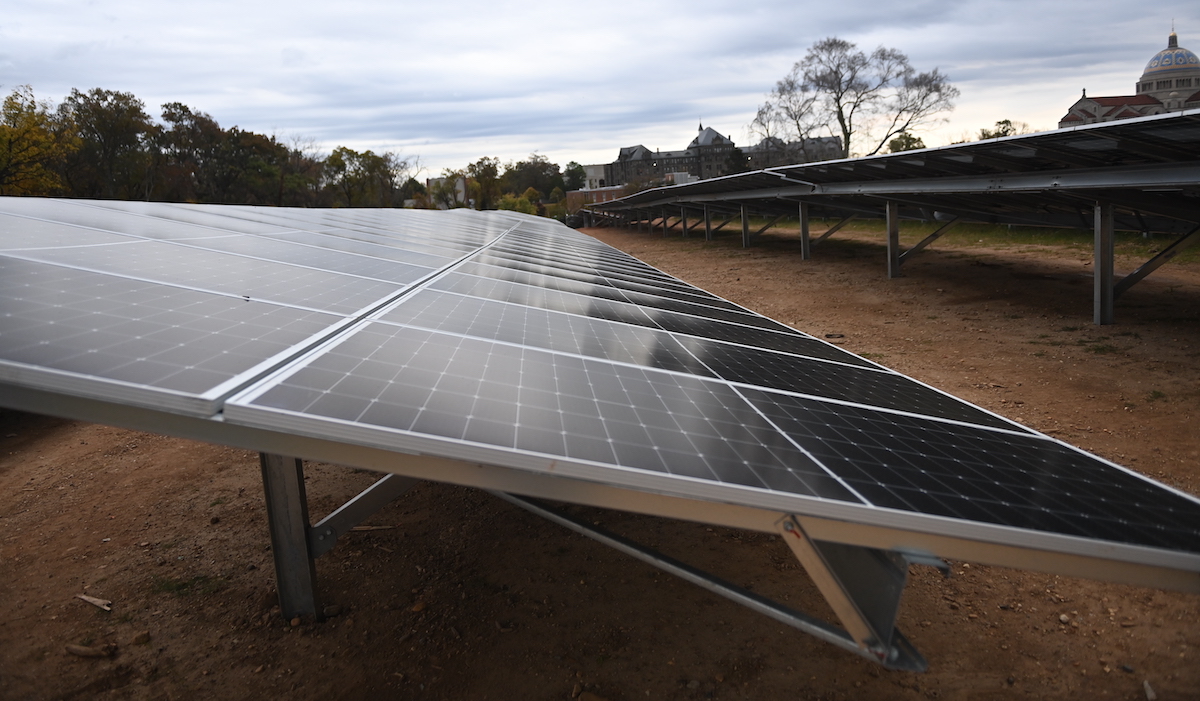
{"type": "Point", "coordinates": [511, 341]}
{"type": "Point", "coordinates": [544, 345]}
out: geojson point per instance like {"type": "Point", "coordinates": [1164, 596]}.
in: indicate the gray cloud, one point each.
{"type": "Point", "coordinates": [573, 80]}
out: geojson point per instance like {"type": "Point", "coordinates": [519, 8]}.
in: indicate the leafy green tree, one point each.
{"type": "Point", "coordinates": [114, 133]}
{"type": "Point", "coordinates": [557, 195]}
{"type": "Point", "coordinates": [341, 174]}
{"type": "Point", "coordinates": [33, 145]}
{"type": "Point", "coordinates": [574, 176]}
{"type": "Point", "coordinates": [537, 172]}
{"type": "Point", "coordinates": [485, 175]}
{"type": "Point", "coordinates": [366, 179]}
{"type": "Point", "coordinates": [444, 191]}
{"type": "Point", "coordinates": [188, 147]}
{"type": "Point", "coordinates": [300, 176]}
{"type": "Point", "coordinates": [513, 203]}
{"type": "Point", "coordinates": [905, 142]}
{"type": "Point", "coordinates": [1004, 127]}
{"type": "Point", "coordinates": [246, 168]}
{"type": "Point", "coordinates": [411, 188]}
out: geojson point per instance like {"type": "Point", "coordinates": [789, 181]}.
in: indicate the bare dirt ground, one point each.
{"type": "Point", "coordinates": [466, 597]}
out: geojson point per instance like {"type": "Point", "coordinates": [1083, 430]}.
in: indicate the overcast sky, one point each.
{"type": "Point", "coordinates": [452, 82]}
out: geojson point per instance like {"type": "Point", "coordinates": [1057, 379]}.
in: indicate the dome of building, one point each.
{"type": "Point", "coordinates": [1172, 76]}
{"type": "Point", "coordinates": [1171, 59]}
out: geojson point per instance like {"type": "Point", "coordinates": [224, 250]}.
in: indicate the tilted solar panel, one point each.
{"type": "Point", "coordinates": [512, 341]}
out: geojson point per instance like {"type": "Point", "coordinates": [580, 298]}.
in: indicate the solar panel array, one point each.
{"type": "Point", "coordinates": [514, 341]}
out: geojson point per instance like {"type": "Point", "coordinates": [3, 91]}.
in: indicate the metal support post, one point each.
{"type": "Point", "coordinates": [287, 517]}
{"type": "Point", "coordinates": [805, 239]}
{"type": "Point", "coordinates": [683, 217]}
{"type": "Point", "coordinates": [745, 227]}
{"type": "Point", "coordinates": [663, 212]}
{"type": "Point", "coordinates": [1102, 265]}
{"type": "Point", "coordinates": [893, 238]}
{"type": "Point", "coordinates": [708, 230]}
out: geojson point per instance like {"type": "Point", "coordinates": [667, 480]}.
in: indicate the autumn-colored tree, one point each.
{"type": "Point", "coordinates": [33, 145]}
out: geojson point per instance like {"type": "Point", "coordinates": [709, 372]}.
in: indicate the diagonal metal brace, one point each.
{"type": "Point", "coordinates": [904, 656]}
{"type": "Point", "coordinates": [325, 533]}
{"type": "Point", "coordinates": [863, 586]}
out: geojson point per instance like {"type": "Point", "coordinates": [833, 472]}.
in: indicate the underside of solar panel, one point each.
{"type": "Point", "coordinates": [509, 341]}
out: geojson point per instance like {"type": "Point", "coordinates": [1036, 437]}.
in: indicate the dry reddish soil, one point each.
{"type": "Point", "coordinates": [462, 596]}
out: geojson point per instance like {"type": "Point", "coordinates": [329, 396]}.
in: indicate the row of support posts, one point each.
{"type": "Point", "coordinates": [1106, 289]}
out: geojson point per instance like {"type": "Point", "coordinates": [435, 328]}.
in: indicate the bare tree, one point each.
{"type": "Point", "coordinates": [863, 98]}
{"type": "Point", "coordinates": [789, 119]}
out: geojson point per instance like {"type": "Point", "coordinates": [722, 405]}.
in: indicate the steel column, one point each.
{"type": "Point", "coordinates": [708, 230]}
{"type": "Point", "coordinates": [1102, 265]}
{"type": "Point", "coordinates": [683, 216]}
{"type": "Point", "coordinates": [745, 227]}
{"type": "Point", "coordinates": [805, 238]}
{"type": "Point", "coordinates": [287, 517]}
{"type": "Point", "coordinates": [893, 238]}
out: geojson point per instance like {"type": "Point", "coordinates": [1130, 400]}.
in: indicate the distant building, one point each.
{"type": "Point", "coordinates": [578, 199]}
{"type": "Point", "coordinates": [777, 152]}
{"type": "Point", "coordinates": [1170, 83]}
{"type": "Point", "coordinates": [455, 191]}
{"type": "Point", "coordinates": [594, 177]}
{"type": "Point", "coordinates": [710, 155]}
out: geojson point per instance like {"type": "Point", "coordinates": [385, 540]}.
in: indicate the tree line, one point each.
{"type": "Point", "coordinates": [534, 185]}
{"type": "Point", "coordinates": [103, 144]}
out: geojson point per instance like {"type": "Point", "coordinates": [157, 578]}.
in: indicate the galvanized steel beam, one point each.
{"type": "Point", "coordinates": [1102, 264]}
